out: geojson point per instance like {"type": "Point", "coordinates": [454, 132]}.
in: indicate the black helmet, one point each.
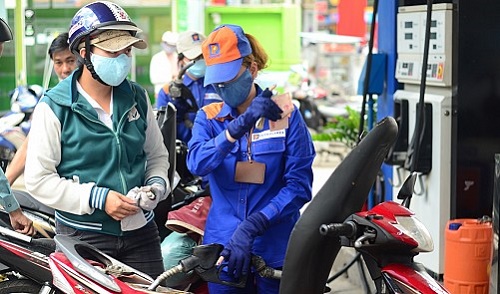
{"type": "Point", "coordinates": [5, 32]}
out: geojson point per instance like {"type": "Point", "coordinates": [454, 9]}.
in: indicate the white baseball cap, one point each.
{"type": "Point", "coordinates": [189, 44]}
{"type": "Point", "coordinates": [170, 38]}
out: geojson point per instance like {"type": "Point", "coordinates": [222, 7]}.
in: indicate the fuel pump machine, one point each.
{"type": "Point", "coordinates": [461, 131]}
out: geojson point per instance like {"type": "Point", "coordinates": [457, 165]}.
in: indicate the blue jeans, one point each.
{"type": "Point", "coordinates": [140, 250]}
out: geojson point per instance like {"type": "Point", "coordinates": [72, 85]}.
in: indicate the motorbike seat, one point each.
{"type": "Point", "coordinates": [26, 201]}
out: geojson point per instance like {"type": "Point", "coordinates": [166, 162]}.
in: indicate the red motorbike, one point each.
{"type": "Point", "coordinates": [388, 236]}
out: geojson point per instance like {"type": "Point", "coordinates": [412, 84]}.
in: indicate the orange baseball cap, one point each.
{"type": "Point", "coordinates": [223, 51]}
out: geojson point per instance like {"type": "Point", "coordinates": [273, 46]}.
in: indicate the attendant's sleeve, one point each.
{"type": "Point", "coordinates": [206, 149]}
{"type": "Point", "coordinates": [7, 199]}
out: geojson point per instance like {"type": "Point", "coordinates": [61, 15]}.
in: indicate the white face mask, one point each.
{"type": "Point", "coordinates": [112, 71]}
{"type": "Point", "coordinates": [168, 48]}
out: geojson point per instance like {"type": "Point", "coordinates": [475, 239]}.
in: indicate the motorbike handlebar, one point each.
{"type": "Point", "coordinates": [347, 229]}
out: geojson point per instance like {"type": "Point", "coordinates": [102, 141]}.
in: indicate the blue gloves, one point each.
{"type": "Point", "coordinates": [261, 106]}
{"type": "Point", "coordinates": [238, 252]}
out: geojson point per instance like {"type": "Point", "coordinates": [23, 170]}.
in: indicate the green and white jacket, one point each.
{"type": "Point", "coordinates": [74, 159]}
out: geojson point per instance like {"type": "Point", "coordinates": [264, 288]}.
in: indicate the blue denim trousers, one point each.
{"type": "Point", "coordinates": [140, 250]}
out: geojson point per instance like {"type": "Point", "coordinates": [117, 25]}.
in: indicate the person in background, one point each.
{"type": "Point", "coordinates": [96, 153]}
{"type": "Point", "coordinates": [189, 50]}
{"type": "Point", "coordinates": [64, 60]}
{"type": "Point", "coordinates": [64, 64]}
{"type": "Point", "coordinates": [18, 220]}
{"type": "Point", "coordinates": [259, 178]}
{"type": "Point", "coordinates": [163, 67]}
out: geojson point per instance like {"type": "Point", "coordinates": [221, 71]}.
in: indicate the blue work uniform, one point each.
{"type": "Point", "coordinates": [7, 199]}
{"type": "Point", "coordinates": [202, 95]}
{"type": "Point", "coordinates": [288, 155]}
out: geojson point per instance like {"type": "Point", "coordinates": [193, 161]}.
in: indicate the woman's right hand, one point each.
{"type": "Point", "coordinates": [119, 206]}
{"type": "Point", "coordinates": [261, 106]}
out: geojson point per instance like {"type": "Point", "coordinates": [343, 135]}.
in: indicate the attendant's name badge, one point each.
{"type": "Point", "coordinates": [250, 172]}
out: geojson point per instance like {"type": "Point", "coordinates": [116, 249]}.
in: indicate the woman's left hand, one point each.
{"type": "Point", "coordinates": [238, 253]}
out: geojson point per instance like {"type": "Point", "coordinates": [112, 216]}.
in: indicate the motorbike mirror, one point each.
{"type": "Point", "coordinates": [406, 190]}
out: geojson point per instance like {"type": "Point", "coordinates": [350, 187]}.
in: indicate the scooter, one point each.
{"type": "Point", "coordinates": [388, 236]}
{"type": "Point", "coordinates": [15, 124]}
{"type": "Point", "coordinates": [307, 106]}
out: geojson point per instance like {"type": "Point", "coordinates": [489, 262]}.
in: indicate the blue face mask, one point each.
{"type": "Point", "coordinates": [112, 71]}
{"type": "Point", "coordinates": [236, 92]}
{"type": "Point", "coordinates": [197, 70]}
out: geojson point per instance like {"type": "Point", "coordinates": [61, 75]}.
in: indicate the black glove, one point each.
{"type": "Point", "coordinates": [261, 106]}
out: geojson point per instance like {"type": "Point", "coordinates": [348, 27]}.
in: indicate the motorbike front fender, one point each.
{"type": "Point", "coordinates": [411, 279]}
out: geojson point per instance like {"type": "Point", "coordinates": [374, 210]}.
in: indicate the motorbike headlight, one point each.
{"type": "Point", "coordinates": [412, 227]}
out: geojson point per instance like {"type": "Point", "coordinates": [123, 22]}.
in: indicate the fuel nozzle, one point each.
{"type": "Point", "coordinates": [202, 261]}
{"type": "Point", "coordinates": [175, 88]}
{"type": "Point", "coordinates": [204, 257]}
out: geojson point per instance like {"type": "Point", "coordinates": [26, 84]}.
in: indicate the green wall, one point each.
{"type": "Point", "coordinates": [277, 27]}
